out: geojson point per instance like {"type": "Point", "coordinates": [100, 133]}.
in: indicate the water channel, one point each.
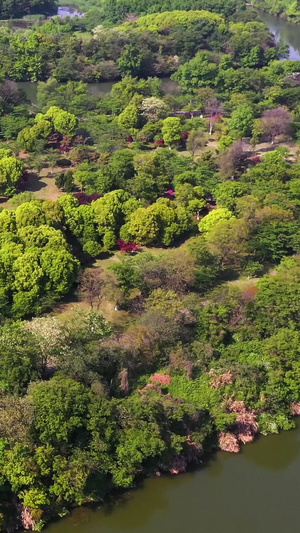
{"type": "Point", "coordinates": [255, 491]}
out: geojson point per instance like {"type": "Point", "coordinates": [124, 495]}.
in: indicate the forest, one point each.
{"type": "Point", "coordinates": [18, 8]}
{"type": "Point", "coordinates": [149, 247]}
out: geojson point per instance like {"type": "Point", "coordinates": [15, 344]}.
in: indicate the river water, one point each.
{"type": "Point", "coordinates": [69, 11]}
{"type": "Point", "coordinates": [288, 32]}
{"type": "Point", "coordinates": [100, 89]}
{"type": "Point", "coordinates": [255, 491]}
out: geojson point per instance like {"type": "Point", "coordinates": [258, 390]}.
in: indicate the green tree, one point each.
{"type": "Point", "coordinates": [144, 226]}
{"type": "Point", "coordinates": [11, 170]}
{"type": "Point", "coordinates": [129, 118]}
{"type": "Point", "coordinates": [201, 71]}
{"type": "Point", "coordinates": [216, 216]}
{"type": "Point", "coordinates": [30, 214]}
{"type": "Point", "coordinates": [19, 360]}
{"type": "Point", "coordinates": [242, 120]}
{"type": "Point", "coordinates": [130, 61]}
{"type": "Point", "coordinates": [61, 407]}
{"type": "Point", "coordinates": [172, 131]}
{"type": "Point", "coordinates": [65, 181]}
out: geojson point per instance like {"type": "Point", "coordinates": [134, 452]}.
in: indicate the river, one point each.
{"type": "Point", "coordinates": [100, 89]}
{"type": "Point", "coordinates": [255, 491]}
{"type": "Point", "coordinates": [288, 32]}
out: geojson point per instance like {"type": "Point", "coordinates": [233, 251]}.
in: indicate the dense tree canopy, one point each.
{"type": "Point", "coordinates": [157, 210]}
{"type": "Point", "coordinates": [17, 8]}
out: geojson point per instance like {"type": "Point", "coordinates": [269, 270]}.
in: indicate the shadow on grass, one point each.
{"type": "Point", "coordinates": [34, 183]}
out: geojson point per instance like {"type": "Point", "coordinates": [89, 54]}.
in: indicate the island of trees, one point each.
{"type": "Point", "coordinates": [149, 247]}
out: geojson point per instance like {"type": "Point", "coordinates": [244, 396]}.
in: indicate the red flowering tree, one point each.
{"type": "Point", "coordinates": [128, 247]}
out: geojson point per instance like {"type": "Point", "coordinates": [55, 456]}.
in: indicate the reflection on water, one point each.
{"type": "Point", "coordinates": [69, 11]}
{"type": "Point", "coordinates": [288, 32]}
{"type": "Point", "coordinates": [255, 491]}
{"type": "Point", "coordinates": [100, 89]}
{"type": "Point", "coordinates": [286, 450]}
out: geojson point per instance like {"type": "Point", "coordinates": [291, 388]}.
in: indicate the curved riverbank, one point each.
{"type": "Point", "coordinates": [285, 31]}
{"type": "Point", "coordinates": [256, 490]}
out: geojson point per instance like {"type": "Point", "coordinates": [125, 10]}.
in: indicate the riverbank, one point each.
{"type": "Point", "coordinates": [256, 490]}
{"type": "Point", "coordinates": [63, 11]}
{"type": "Point", "coordinates": [285, 10]}
{"type": "Point", "coordinates": [283, 31]}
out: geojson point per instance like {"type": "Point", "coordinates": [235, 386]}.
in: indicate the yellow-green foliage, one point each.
{"type": "Point", "coordinates": [249, 27]}
{"type": "Point", "coordinates": [169, 19]}
{"type": "Point", "coordinates": [197, 391]}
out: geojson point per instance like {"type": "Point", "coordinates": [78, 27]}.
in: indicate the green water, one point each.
{"type": "Point", "coordinates": [256, 491]}
{"type": "Point", "coordinates": [100, 89]}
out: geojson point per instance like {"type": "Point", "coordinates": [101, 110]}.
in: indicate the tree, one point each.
{"type": "Point", "coordinates": [241, 120]}
{"type": "Point", "coordinates": [172, 131]}
{"type": "Point", "coordinates": [165, 301]}
{"type": "Point", "coordinates": [51, 339]}
{"type": "Point", "coordinates": [11, 125]}
{"type": "Point", "coordinates": [153, 109]}
{"type": "Point", "coordinates": [11, 170]}
{"type": "Point", "coordinates": [229, 240]}
{"type": "Point", "coordinates": [230, 160]}
{"type": "Point", "coordinates": [121, 167]}
{"type": "Point", "coordinates": [65, 181]}
{"type": "Point", "coordinates": [91, 287]}
{"type": "Point", "coordinates": [60, 268]}
{"type": "Point", "coordinates": [19, 362]}
{"type": "Point", "coordinates": [201, 71]}
{"type": "Point", "coordinates": [109, 240]}
{"type": "Point", "coordinates": [61, 407]}
{"type": "Point", "coordinates": [130, 61]}
{"type": "Point", "coordinates": [30, 214]}
{"type": "Point", "coordinates": [16, 416]}
{"type": "Point", "coordinates": [214, 109]}
{"type": "Point", "coordinates": [109, 212]}
{"type": "Point", "coordinates": [63, 121]}
{"type": "Point", "coordinates": [216, 216]}
{"type": "Point", "coordinates": [53, 213]}
{"type": "Point", "coordinates": [196, 140]}
{"type": "Point", "coordinates": [129, 118]}
{"type": "Point", "coordinates": [277, 301]}
{"type": "Point", "coordinates": [276, 122]}
{"type": "Point", "coordinates": [228, 192]}
{"type": "Point", "coordinates": [143, 226]}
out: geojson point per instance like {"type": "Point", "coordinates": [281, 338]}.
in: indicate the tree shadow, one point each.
{"type": "Point", "coordinates": [34, 182]}
{"type": "Point", "coordinates": [270, 148]}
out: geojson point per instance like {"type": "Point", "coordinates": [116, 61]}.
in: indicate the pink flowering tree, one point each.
{"type": "Point", "coordinates": [214, 109]}
{"type": "Point", "coordinates": [276, 122]}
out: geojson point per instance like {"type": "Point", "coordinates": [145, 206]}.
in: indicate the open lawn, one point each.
{"type": "Point", "coordinates": [44, 185]}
